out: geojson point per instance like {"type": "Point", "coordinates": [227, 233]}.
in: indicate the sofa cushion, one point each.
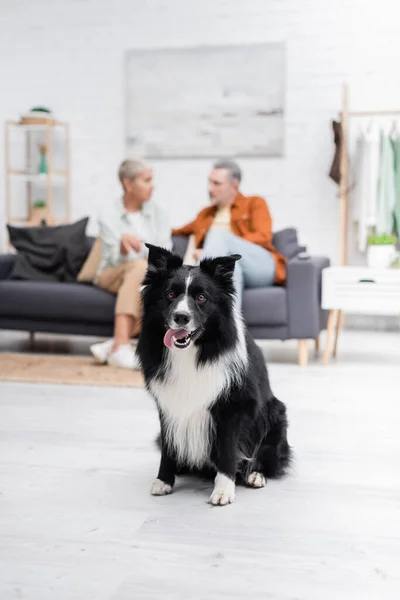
{"type": "Point", "coordinates": [91, 240]}
{"type": "Point", "coordinates": [49, 253]}
{"type": "Point", "coordinates": [265, 306]}
{"type": "Point", "coordinates": [6, 265]}
{"type": "Point", "coordinates": [56, 301]}
{"type": "Point", "coordinates": [179, 244]}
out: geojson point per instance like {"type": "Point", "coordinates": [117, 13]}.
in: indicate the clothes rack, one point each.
{"type": "Point", "coordinates": [345, 114]}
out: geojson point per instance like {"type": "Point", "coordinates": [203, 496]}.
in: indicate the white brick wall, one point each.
{"type": "Point", "coordinates": [70, 56]}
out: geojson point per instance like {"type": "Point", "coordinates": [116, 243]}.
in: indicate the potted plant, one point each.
{"type": "Point", "coordinates": [38, 115]}
{"type": "Point", "coordinates": [39, 212]}
{"type": "Point", "coordinates": [381, 250]}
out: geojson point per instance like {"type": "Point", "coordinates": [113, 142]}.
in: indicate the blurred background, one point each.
{"type": "Point", "coordinates": [72, 58]}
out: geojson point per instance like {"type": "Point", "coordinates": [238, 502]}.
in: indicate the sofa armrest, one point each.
{"type": "Point", "coordinates": [304, 279]}
{"type": "Point", "coordinates": [6, 265]}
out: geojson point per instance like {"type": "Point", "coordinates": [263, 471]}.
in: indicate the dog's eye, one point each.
{"type": "Point", "coordinates": [201, 298]}
{"type": "Point", "coordinates": [171, 295]}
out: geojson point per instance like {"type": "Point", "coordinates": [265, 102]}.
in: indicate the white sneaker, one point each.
{"type": "Point", "coordinates": [101, 350]}
{"type": "Point", "coordinates": [124, 357]}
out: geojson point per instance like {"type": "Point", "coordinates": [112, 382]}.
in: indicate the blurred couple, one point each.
{"type": "Point", "coordinates": [231, 224]}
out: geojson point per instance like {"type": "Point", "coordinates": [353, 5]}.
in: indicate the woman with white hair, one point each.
{"type": "Point", "coordinates": [124, 228]}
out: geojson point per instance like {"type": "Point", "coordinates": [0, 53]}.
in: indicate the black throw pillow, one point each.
{"type": "Point", "coordinates": [49, 253]}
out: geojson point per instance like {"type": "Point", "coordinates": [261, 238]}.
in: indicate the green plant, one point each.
{"type": "Point", "coordinates": [382, 240]}
{"type": "Point", "coordinates": [40, 109]}
{"type": "Point", "coordinates": [39, 204]}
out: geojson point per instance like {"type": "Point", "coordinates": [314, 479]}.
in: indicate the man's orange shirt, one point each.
{"type": "Point", "coordinates": [250, 220]}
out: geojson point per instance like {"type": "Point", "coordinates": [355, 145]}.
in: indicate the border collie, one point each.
{"type": "Point", "coordinates": [208, 377]}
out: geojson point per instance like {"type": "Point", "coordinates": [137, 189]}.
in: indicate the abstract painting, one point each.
{"type": "Point", "coordinates": [210, 101]}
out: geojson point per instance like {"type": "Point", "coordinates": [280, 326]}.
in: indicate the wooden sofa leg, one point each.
{"type": "Point", "coordinates": [303, 353]}
{"type": "Point", "coordinates": [329, 335]}
{"type": "Point", "coordinates": [32, 338]}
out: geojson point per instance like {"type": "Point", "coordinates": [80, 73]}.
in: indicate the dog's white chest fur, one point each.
{"type": "Point", "coordinates": [185, 396]}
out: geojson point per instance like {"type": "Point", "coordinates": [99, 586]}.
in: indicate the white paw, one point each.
{"type": "Point", "coordinates": [256, 480]}
{"type": "Point", "coordinates": [224, 491]}
{"type": "Point", "coordinates": [159, 488]}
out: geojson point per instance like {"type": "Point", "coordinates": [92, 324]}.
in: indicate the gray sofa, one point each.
{"type": "Point", "coordinates": [290, 312]}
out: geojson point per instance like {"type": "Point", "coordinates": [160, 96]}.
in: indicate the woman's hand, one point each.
{"type": "Point", "coordinates": [129, 242]}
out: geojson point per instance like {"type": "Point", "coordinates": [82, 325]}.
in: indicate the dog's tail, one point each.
{"type": "Point", "coordinates": [276, 460]}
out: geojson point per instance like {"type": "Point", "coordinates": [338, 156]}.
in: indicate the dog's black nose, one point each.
{"type": "Point", "coordinates": [181, 318]}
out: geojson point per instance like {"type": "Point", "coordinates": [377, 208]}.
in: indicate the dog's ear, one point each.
{"type": "Point", "coordinates": [161, 259]}
{"type": "Point", "coordinates": [221, 267]}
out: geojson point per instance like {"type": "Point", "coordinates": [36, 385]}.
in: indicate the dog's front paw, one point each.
{"type": "Point", "coordinates": [160, 488]}
{"type": "Point", "coordinates": [222, 497]}
{"type": "Point", "coordinates": [256, 480]}
{"type": "Point", "coordinates": [223, 492]}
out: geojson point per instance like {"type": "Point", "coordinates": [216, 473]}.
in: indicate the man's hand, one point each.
{"type": "Point", "coordinates": [197, 254]}
{"type": "Point", "coordinates": [129, 242]}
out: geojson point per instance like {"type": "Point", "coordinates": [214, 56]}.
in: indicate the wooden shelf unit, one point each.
{"type": "Point", "coordinates": [53, 177]}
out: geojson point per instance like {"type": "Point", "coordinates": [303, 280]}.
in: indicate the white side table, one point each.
{"type": "Point", "coordinates": [357, 290]}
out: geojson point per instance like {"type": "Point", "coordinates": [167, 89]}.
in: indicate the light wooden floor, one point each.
{"type": "Point", "coordinates": [77, 522]}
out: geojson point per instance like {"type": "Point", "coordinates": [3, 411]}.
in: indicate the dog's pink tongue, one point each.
{"type": "Point", "coordinates": [174, 333]}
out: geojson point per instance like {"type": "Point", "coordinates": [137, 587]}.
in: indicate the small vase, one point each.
{"type": "Point", "coordinates": [43, 160]}
{"type": "Point", "coordinates": [43, 165]}
{"type": "Point", "coordinates": [380, 256]}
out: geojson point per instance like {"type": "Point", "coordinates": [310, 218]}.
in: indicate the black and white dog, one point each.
{"type": "Point", "coordinates": [209, 380]}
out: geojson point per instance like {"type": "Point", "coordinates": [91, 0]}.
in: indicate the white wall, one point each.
{"type": "Point", "coordinates": [70, 56]}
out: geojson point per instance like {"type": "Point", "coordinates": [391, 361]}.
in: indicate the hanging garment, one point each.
{"type": "Point", "coordinates": [396, 209]}
{"type": "Point", "coordinates": [334, 172]}
{"type": "Point", "coordinates": [364, 184]}
{"type": "Point", "coordinates": [386, 187]}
